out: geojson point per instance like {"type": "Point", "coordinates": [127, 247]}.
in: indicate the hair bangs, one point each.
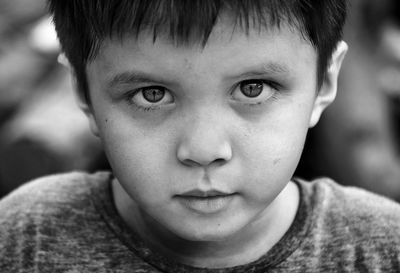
{"type": "Point", "coordinates": [182, 21]}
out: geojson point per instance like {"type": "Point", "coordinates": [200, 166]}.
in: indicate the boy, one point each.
{"type": "Point", "coordinates": [202, 108]}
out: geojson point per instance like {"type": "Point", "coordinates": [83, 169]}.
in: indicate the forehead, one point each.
{"type": "Point", "coordinates": [229, 50]}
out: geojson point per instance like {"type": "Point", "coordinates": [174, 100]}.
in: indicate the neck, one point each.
{"type": "Point", "coordinates": [256, 239]}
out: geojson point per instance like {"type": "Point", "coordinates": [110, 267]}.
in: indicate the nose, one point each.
{"type": "Point", "coordinates": [204, 143]}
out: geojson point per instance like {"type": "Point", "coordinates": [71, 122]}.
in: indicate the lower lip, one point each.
{"type": "Point", "coordinates": [206, 205]}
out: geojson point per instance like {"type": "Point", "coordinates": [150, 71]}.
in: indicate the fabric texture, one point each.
{"type": "Point", "coordinates": [68, 223]}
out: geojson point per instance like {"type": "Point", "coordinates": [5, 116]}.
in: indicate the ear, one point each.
{"type": "Point", "coordinates": [82, 102]}
{"type": "Point", "coordinates": [87, 109]}
{"type": "Point", "coordinates": [328, 90]}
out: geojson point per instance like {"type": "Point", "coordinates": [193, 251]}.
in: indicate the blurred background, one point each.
{"type": "Point", "coordinates": [42, 131]}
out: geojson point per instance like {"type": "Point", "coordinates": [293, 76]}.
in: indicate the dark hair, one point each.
{"type": "Point", "coordinates": [82, 25]}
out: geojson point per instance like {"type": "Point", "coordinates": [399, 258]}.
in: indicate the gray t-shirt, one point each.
{"type": "Point", "coordinates": [68, 223]}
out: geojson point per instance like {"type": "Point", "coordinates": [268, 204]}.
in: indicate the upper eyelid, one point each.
{"type": "Point", "coordinates": [131, 87]}
{"type": "Point", "coordinates": [152, 87]}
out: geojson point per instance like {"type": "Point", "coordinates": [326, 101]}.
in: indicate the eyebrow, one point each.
{"type": "Point", "coordinates": [131, 77]}
{"type": "Point", "coordinates": [271, 68]}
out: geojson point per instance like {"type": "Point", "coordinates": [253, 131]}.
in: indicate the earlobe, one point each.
{"type": "Point", "coordinates": [92, 120]}
{"type": "Point", "coordinates": [62, 59]}
{"type": "Point", "coordinates": [328, 90]}
{"type": "Point", "coordinates": [88, 111]}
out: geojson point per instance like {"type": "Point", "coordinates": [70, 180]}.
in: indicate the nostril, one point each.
{"type": "Point", "coordinates": [219, 161]}
{"type": "Point", "coordinates": [190, 163]}
{"type": "Point", "coordinates": [198, 163]}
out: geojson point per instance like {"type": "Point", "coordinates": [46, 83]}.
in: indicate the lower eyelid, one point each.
{"type": "Point", "coordinates": [253, 102]}
{"type": "Point", "coordinates": [147, 109]}
{"type": "Point", "coordinates": [151, 108]}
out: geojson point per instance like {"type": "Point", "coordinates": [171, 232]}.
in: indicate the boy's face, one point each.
{"type": "Point", "coordinates": [204, 139]}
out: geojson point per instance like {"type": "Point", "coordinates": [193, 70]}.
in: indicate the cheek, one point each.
{"type": "Point", "coordinates": [271, 151]}
{"type": "Point", "coordinates": [138, 160]}
{"type": "Point", "coordinates": [275, 160]}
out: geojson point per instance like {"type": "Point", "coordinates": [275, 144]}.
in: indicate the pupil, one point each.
{"type": "Point", "coordinates": [252, 89]}
{"type": "Point", "coordinates": [153, 94]}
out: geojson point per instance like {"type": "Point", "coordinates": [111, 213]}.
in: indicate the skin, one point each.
{"type": "Point", "coordinates": [206, 134]}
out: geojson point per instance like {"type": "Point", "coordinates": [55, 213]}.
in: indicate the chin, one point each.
{"type": "Point", "coordinates": [209, 232]}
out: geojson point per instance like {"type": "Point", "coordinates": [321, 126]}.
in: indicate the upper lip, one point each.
{"type": "Point", "coordinates": [201, 193]}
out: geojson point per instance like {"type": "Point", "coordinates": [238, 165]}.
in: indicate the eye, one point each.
{"type": "Point", "coordinates": [253, 91]}
{"type": "Point", "coordinates": [152, 96]}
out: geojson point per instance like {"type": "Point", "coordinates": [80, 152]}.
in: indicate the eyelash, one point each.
{"type": "Point", "coordinates": [147, 109]}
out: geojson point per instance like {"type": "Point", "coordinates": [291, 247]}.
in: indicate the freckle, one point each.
{"type": "Point", "coordinates": [188, 64]}
{"type": "Point", "coordinates": [276, 161]}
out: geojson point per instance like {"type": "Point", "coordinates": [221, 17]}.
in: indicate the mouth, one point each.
{"type": "Point", "coordinates": [205, 202]}
{"type": "Point", "coordinates": [204, 194]}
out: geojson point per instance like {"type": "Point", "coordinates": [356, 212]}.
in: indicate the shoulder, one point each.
{"type": "Point", "coordinates": [49, 195]}
{"type": "Point", "coordinates": [355, 204]}
{"type": "Point", "coordinates": [351, 226]}
{"type": "Point", "coordinates": [60, 189]}
{"type": "Point", "coordinates": [352, 214]}
{"type": "Point", "coordinates": [349, 229]}
{"type": "Point", "coordinates": [40, 216]}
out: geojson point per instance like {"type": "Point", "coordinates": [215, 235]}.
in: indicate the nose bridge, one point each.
{"type": "Point", "coordinates": [205, 127]}
{"type": "Point", "coordinates": [205, 139]}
